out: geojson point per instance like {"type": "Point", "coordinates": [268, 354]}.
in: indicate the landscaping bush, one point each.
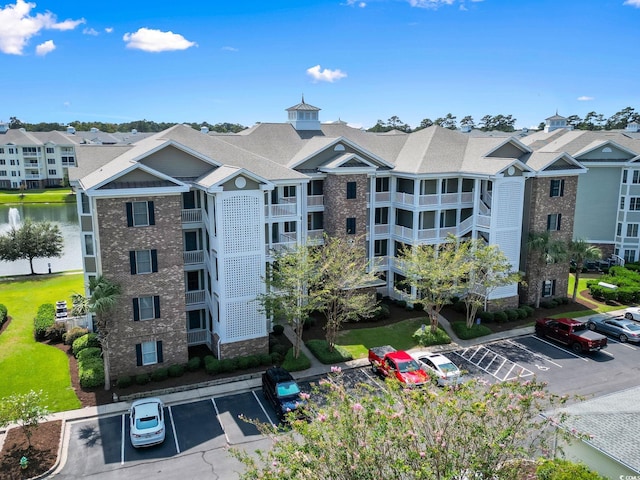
{"type": "Point", "coordinates": [228, 365]}
{"type": "Point", "coordinates": [124, 382]}
{"type": "Point", "coordinates": [265, 359]}
{"type": "Point", "coordinates": [529, 309]}
{"type": "Point", "coordinates": [512, 314]}
{"type": "Point", "coordinates": [295, 364]}
{"type": "Point", "coordinates": [3, 314]}
{"type": "Point", "coordinates": [142, 379]}
{"type": "Point", "coordinates": [73, 334]}
{"type": "Point", "coordinates": [562, 300]}
{"type": "Point", "coordinates": [176, 370]}
{"type": "Point", "coordinates": [55, 333]}
{"type": "Point", "coordinates": [91, 372]}
{"type": "Point", "coordinates": [381, 312]}
{"type": "Point", "coordinates": [425, 337]}
{"type": "Point", "coordinates": [278, 329]}
{"type": "Point", "coordinates": [465, 333]}
{"type": "Point", "coordinates": [160, 374]}
{"type": "Point", "coordinates": [85, 341]}
{"type": "Point", "coordinates": [547, 304]}
{"type": "Point", "coordinates": [401, 303]}
{"type": "Point", "coordinates": [280, 349]}
{"type": "Point", "coordinates": [320, 349]}
{"type": "Point", "coordinates": [243, 363]}
{"type": "Point", "coordinates": [212, 365]}
{"type": "Point", "coordinates": [194, 364]}
{"type": "Point", "coordinates": [253, 361]}
{"type": "Point", "coordinates": [560, 469]}
{"type": "Point", "coordinates": [500, 317]}
{"type": "Point", "coordinates": [45, 318]}
{"type": "Point", "coordinates": [276, 358]}
{"type": "Point", "coordinates": [486, 317]}
{"type": "Point", "coordinates": [522, 313]}
{"type": "Point", "coordinates": [91, 352]}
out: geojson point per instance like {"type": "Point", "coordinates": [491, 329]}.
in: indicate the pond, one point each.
{"type": "Point", "coordinates": [65, 216]}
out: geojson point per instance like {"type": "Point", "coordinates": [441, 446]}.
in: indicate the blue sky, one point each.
{"type": "Point", "coordinates": [360, 61]}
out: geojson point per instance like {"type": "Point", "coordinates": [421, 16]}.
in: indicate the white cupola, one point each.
{"type": "Point", "coordinates": [304, 116]}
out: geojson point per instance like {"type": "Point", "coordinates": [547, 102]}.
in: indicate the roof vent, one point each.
{"type": "Point", "coordinates": [71, 130]}
{"type": "Point", "coordinates": [133, 131]}
{"type": "Point", "coordinates": [93, 130]}
{"type": "Point", "coordinates": [633, 127]}
{"type": "Point", "coordinates": [465, 128]}
{"type": "Point", "coordinates": [204, 129]}
{"type": "Point", "coordinates": [4, 127]}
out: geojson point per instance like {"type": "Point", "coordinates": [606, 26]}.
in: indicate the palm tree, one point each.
{"type": "Point", "coordinates": [103, 299]}
{"type": "Point", "coordinates": [580, 251]}
{"type": "Point", "coordinates": [544, 250]}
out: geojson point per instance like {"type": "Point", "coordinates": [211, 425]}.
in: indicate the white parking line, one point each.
{"type": "Point", "coordinates": [544, 357]}
{"type": "Point", "coordinates": [173, 427]}
{"type": "Point", "coordinates": [122, 442]}
{"type": "Point", "coordinates": [215, 407]}
{"type": "Point", "coordinates": [623, 344]}
{"type": "Point", "coordinates": [561, 349]}
{"type": "Point", "coordinates": [262, 407]}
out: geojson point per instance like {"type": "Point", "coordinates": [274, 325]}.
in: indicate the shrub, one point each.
{"type": "Point", "coordinates": [425, 337]}
{"type": "Point", "coordinates": [228, 365]}
{"type": "Point", "coordinates": [512, 314]}
{"type": "Point", "coordinates": [124, 382]}
{"type": "Point", "coordinates": [278, 329]}
{"type": "Point", "coordinates": [3, 314]}
{"type": "Point", "coordinates": [276, 358]}
{"type": "Point", "coordinates": [265, 359]}
{"type": "Point", "coordinates": [91, 352]}
{"type": "Point", "coordinates": [280, 349]}
{"type": "Point", "coordinates": [522, 312]}
{"type": "Point", "coordinates": [560, 469]}
{"type": "Point", "coordinates": [500, 317]}
{"type": "Point", "coordinates": [401, 303]}
{"type": "Point", "coordinates": [529, 309]}
{"type": "Point", "coordinates": [562, 300]}
{"type": "Point", "coordinates": [160, 374]}
{"type": "Point", "coordinates": [320, 350]}
{"type": "Point", "coordinates": [73, 334]}
{"type": "Point", "coordinates": [486, 317]}
{"type": "Point", "coordinates": [465, 333]}
{"type": "Point", "coordinates": [85, 341]}
{"type": "Point", "coordinates": [547, 304]}
{"type": "Point", "coordinates": [142, 379]}
{"type": "Point", "coordinates": [55, 333]}
{"type": "Point", "coordinates": [253, 361]}
{"type": "Point", "coordinates": [295, 364]}
{"type": "Point", "coordinates": [176, 370]}
{"type": "Point", "coordinates": [45, 318]}
{"type": "Point", "coordinates": [243, 363]}
{"type": "Point", "coordinates": [212, 365]}
{"type": "Point", "coordinates": [194, 364]}
{"type": "Point", "coordinates": [91, 372]}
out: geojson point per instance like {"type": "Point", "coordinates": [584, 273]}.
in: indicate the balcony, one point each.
{"type": "Point", "coordinates": [380, 263]}
{"type": "Point", "coordinates": [198, 337]}
{"type": "Point", "coordinates": [193, 256]}
{"type": "Point", "coordinates": [279, 247]}
{"type": "Point", "coordinates": [315, 237]}
{"type": "Point", "coordinates": [280, 210]}
{"type": "Point", "coordinates": [192, 215]}
{"type": "Point", "coordinates": [446, 199]}
{"type": "Point", "coordinates": [402, 197]}
{"type": "Point", "coordinates": [381, 229]}
{"type": "Point", "coordinates": [315, 200]}
{"type": "Point", "coordinates": [33, 176]}
{"type": "Point", "coordinates": [483, 221]}
{"type": "Point", "coordinates": [194, 297]}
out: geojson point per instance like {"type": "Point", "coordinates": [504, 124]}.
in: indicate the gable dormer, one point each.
{"type": "Point", "coordinates": [556, 122]}
{"type": "Point", "coordinates": [304, 116]}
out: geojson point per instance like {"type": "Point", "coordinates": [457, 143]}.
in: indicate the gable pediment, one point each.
{"type": "Point", "coordinates": [177, 162]}
{"type": "Point", "coordinates": [139, 178]}
{"type": "Point", "coordinates": [336, 153]}
{"type": "Point", "coordinates": [562, 164]}
{"type": "Point", "coordinates": [509, 149]}
{"type": "Point", "coordinates": [606, 151]}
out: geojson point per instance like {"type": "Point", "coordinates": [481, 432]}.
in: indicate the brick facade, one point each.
{"type": "Point", "coordinates": [116, 240]}
{"type": "Point", "coordinates": [244, 348]}
{"type": "Point", "coordinates": [338, 207]}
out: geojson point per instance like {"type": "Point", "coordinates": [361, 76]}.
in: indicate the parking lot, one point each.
{"type": "Point", "coordinates": [211, 425]}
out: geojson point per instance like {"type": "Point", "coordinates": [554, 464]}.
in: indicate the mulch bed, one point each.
{"type": "Point", "coordinates": [42, 455]}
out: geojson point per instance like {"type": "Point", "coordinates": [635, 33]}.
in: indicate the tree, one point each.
{"type": "Point", "coordinates": [103, 299]}
{"type": "Point", "coordinates": [288, 280]}
{"type": "Point", "coordinates": [499, 122]}
{"type": "Point", "coordinates": [476, 431]}
{"type": "Point", "coordinates": [31, 240]}
{"type": "Point", "coordinates": [425, 123]}
{"type": "Point", "coordinates": [26, 410]}
{"type": "Point", "coordinates": [449, 121]}
{"type": "Point", "coordinates": [467, 121]}
{"type": "Point", "coordinates": [579, 251]}
{"type": "Point", "coordinates": [341, 292]}
{"type": "Point", "coordinates": [544, 250]}
{"type": "Point", "coordinates": [621, 119]}
{"type": "Point", "coordinates": [489, 269]}
{"type": "Point", "coordinates": [435, 272]}
{"type": "Point", "coordinates": [592, 121]}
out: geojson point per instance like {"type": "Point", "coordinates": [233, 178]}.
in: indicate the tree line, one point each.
{"type": "Point", "coordinates": [506, 123]}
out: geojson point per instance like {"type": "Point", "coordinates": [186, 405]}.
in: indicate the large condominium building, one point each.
{"type": "Point", "coordinates": [186, 221]}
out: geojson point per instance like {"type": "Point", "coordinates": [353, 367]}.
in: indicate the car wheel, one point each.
{"type": "Point", "coordinates": [592, 326]}
{"type": "Point", "coordinates": [623, 338]}
{"type": "Point", "coordinates": [374, 369]}
{"type": "Point", "coordinates": [576, 347]}
{"type": "Point", "coordinates": [628, 316]}
{"type": "Point", "coordinates": [539, 333]}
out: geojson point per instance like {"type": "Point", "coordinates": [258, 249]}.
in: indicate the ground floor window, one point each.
{"type": "Point", "coordinates": [548, 288]}
{"type": "Point", "coordinates": [149, 353]}
{"type": "Point", "coordinates": [629, 255]}
{"type": "Point", "coordinates": [195, 319]}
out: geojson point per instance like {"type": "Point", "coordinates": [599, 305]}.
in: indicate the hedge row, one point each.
{"type": "Point", "coordinates": [90, 367]}
{"type": "Point", "coordinates": [45, 318]}
{"type": "Point", "coordinates": [3, 314]}
{"type": "Point", "coordinates": [626, 278]}
{"type": "Point", "coordinates": [87, 340]}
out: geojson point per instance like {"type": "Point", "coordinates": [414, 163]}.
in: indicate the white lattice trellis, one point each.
{"type": "Point", "coordinates": [243, 231]}
{"type": "Point", "coordinates": [244, 320]}
{"type": "Point", "coordinates": [243, 276]}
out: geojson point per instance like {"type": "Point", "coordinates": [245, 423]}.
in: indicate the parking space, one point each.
{"type": "Point", "coordinates": [229, 410]}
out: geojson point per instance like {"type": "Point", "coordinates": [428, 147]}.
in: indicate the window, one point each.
{"type": "Point", "coordinates": [51, 161]}
{"type": "Point", "coordinates": [29, 150]}
{"type": "Point", "coordinates": [557, 188]}
{"type": "Point", "coordinates": [140, 214]}
{"type": "Point", "coordinates": [382, 216]}
{"type": "Point", "coordinates": [88, 245]}
{"type": "Point", "coordinates": [50, 150]}
{"type": "Point", "coordinates": [629, 256]}
{"type": "Point", "coordinates": [351, 226]}
{"type": "Point", "coordinates": [143, 261]}
{"type": "Point", "coordinates": [351, 190]}
{"type": "Point", "coordinates": [149, 353]}
{"type": "Point", "coordinates": [380, 248]}
{"type": "Point", "coordinates": [634, 203]}
{"type": "Point", "coordinates": [289, 227]}
{"type": "Point", "coordinates": [146, 308]}
{"type": "Point", "coordinates": [632, 230]}
{"type": "Point", "coordinates": [636, 176]}
{"type": "Point", "coordinates": [621, 203]}
{"type": "Point", "coordinates": [12, 161]}
{"type": "Point", "coordinates": [13, 173]}
{"type": "Point", "coordinates": [3, 173]}
{"type": "Point", "coordinates": [624, 176]}
{"type": "Point", "coordinates": [382, 184]}
{"type": "Point", "coordinates": [289, 191]}
{"type": "Point", "coordinates": [554, 221]}
{"type": "Point", "coordinates": [619, 229]}
{"type": "Point", "coordinates": [52, 171]}
{"type": "Point", "coordinates": [548, 288]}
{"type": "Point", "coordinates": [1, 150]}
{"type": "Point", "coordinates": [68, 161]}
{"type": "Point", "coordinates": [195, 320]}
{"type": "Point", "coordinates": [449, 185]}
{"type": "Point", "coordinates": [85, 203]}
{"type": "Point", "coordinates": [11, 150]}
{"type": "Point", "coordinates": [3, 161]}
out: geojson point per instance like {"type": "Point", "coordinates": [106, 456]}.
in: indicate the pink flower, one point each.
{"type": "Point", "coordinates": [335, 369]}
{"type": "Point", "coordinates": [305, 396]}
{"type": "Point", "coordinates": [357, 407]}
{"type": "Point", "coordinates": [322, 417]}
{"type": "Point", "coordinates": [422, 454]}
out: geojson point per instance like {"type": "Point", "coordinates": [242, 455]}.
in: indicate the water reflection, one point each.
{"type": "Point", "coordinates": [63, 215]}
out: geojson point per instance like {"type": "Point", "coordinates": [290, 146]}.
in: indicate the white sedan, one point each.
{"type": "Point", "coordinates": [632, 313]}
{"type": "Point", "coordinates": [147, 422]}
{"type": "Point", "coordinates": [443, 370]}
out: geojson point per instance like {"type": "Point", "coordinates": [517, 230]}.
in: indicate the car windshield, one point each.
{"type": "Point", "coordinates": [146, 422]}
{"type": "Point", "coordinates": [633, 327]}
{"type": "Point", "coordinates": [578, 327]}
{"type": "Point", "coordinates": [287, 389]}
{"type": "Point", "coordinates": [409, 366]}
{"type": "Point", "coordinates": [448, 367]}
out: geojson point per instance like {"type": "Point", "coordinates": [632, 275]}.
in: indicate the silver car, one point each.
{"type": "Point", "coordinates": [619, 327]}
{"type": "Point", "coordinates": [443, 370]}
{"type": "Point", "coordinates": [146, 419]}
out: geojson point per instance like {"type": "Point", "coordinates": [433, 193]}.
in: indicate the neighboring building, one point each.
{"type": "Point", "coordinates": [186, 221]}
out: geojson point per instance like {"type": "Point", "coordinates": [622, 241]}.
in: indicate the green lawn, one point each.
{"type": "Point", "coordinates": [26, 364]}
{"type": "Point", "coordinates": [582, 285]}
{"type": "Point", "coordinates": [55, 195]}
{"type": "Point", "coordinates": [399, 335]}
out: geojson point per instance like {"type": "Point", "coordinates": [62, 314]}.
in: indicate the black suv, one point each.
{"type": "Point", "coordinates": [281, 390]}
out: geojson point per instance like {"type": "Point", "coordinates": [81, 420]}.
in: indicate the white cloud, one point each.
{"type": "Point", "coordinates": [108, 29]}
{"type": "Point", "coordinates": [584, 98]}
{"type": "Point", "coordinates": [90, 31]}
{"type": "Point", "coordinates": [229, 49]}
{"type": "Point", "coordinates": [325, 75]}
{"type": "Point", "coordinates": [45, 48]}
{"type": "Point", "coordinates": [151, 40]}
{"type": "Point", "coordinates": [633, 3]}
{"type": "Point", "coordinates": [430, 3]}
{"type": "Point", "coordinates": [351, 3]}
{"type": "Point", "coordinates": [18, 26]}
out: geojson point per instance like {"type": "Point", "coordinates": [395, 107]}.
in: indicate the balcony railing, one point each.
{"type": "Point", "coordinates": [483, 221]}
{"type": "Point", "coordinates": [280, 210]}
{"type": "Point", "coordinates": [33, 176]}
{"type": "Point", "coordinates": [383, 196]}
{"type": "Point", "coordinates": [192, 215]}
{"type": "Point", "coordinates": [193, 297]}
{"type": "Point", "coordinates": [380, 263]}
{"type": "Point", "coordinates": [197, 337]}
{"type": "Point", "coordinates": [315, 200]}
{"type": "Point", "coordinates": [315, 237]}
{"type": "Point", "coordinates": [381, 229]}
{"type": "Point", "coordinates": [401, 197]}
{"type": "Point", "coordinates": [193, 256]}
{"type": "Point", "coordinates": [278, 247]}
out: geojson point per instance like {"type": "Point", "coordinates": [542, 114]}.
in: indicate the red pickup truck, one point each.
{"type": "Point", "coordinates": [398, 364]}
{"type": "Point", "coordinates": [572, 333]}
